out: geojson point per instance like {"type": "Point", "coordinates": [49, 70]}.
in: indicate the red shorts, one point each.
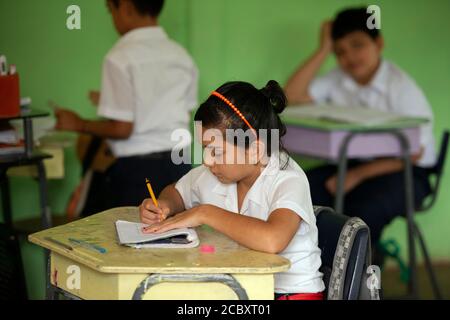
{"type": "Point", "coordinates": [302, 296]}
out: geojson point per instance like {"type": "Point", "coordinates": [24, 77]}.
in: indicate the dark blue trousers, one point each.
{"type": "Point", "coordinates": [123, 184]}
{"type": "Point", "coordinates": [376, 201]}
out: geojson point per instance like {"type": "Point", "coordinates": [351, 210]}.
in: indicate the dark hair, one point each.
{"type": "Point", "coordinates": [350, 20]}
{"type": "Point", "coordinates": [146, 7]}
{"type": "Point", "coordinates": [259, 106]}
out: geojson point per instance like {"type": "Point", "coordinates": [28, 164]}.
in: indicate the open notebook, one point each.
{"type": "Point", "coordinates": [130, 234]}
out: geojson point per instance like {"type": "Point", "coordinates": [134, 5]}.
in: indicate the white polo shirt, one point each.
{"type": "Point", "coordinates": [274, 188]}
{"type": "Point", "coordinates": [391, 89]}
{"type": "Point", "coordinates": [151, 81]}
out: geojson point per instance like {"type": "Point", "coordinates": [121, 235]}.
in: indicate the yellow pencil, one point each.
{"type": "Point", "coordinates": [150, 190]}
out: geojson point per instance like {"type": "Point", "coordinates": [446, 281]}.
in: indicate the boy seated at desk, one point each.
{"type": "Point", "coordinates": [374, 190]}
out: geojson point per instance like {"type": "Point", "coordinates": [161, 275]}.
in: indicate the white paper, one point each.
{"type": "Point", "coordinates": [9, 136]}
{"type": "Point", "coordinates": [130, 234]}
{"type": "Point", "coordinates": [354, 115]}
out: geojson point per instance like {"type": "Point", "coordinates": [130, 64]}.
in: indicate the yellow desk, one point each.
{"type": "Point", "coordinates": [54, 166]}
{"type": "Point", "coordinates": [126, 273]}
{"type": "Point", "coordinates": [53, 144]}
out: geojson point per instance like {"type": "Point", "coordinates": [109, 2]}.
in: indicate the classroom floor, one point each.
{"type": "Point", "coordinates": [393, 287]}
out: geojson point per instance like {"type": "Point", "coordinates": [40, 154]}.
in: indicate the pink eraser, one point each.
{"type": "Point", "coordinates": [206, 248]}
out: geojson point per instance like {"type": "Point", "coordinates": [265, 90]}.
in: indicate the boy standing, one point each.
{"type": "Point", "coordinates": [149, 86]}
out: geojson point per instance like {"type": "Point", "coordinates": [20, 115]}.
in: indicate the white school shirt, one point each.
{"type": "Point", "coordinates": [391, 89]}
{"type": "Point", "coordinates": [274, 188]}
{"type": "Point", "coordinates": [151, 81]}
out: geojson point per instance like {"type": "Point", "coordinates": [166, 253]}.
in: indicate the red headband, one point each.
{"type": "Point", "coordinates": [232, 106]}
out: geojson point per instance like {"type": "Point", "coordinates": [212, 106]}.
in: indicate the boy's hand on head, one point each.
{"type": "Point", "coordinates": [67, 120]}
{"type": "Point", "coordinates": [94, 97]}
{"type": "Point", "coordinates": [326, 42]}
{"type": "Point", "coordinates": [151, 214]}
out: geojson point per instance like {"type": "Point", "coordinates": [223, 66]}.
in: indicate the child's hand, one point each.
{"type": "Point", "coordinates": [94, 97]}
{"type": "Point", "coordinates": [352, 180]}
{"type": "Point", "coordinates": [150, 214]}
{"type": "Point", "coordinates": [187, 219]}
{"type": "Point", "coordinates": [326, 42]}
{"type": "Point", "coordinates": [68, 120]}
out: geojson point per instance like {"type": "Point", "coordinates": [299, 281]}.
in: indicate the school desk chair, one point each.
{"type": "Point", "coordinates": [346, 257]}
{"type": "Point", "coordinates": [12, 277]}
{"type": "Point", "coordinates": [435, 174]}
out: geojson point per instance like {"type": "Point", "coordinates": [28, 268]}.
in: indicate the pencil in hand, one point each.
{"type": "Point", "coordinates": [152, 195]}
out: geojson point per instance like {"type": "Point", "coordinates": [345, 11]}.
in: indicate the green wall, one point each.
{"type": "Point", "coordinates": [252, 40]}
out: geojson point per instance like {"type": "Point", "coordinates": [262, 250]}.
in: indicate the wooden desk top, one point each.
{"type": "Point", "coordinates": [99, 229]}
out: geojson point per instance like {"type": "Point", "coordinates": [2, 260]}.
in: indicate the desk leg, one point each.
{"type": "Point", "coordinates": [409, 205]}
{"type": "Point", "coordinates": [6, 199]}
{"type": "Point", "coordinates": [342, 172]}
{"type": "Point", "coordinates": [28, 136]}
{"type": "Point", "coordinates": [226, 279]}
{"type": "Point", "coordinates": [50, 293]}
{"type": "Point", "coordinates": [46, 222]}
{"type": "Point", "coordinates": [409, 197]}
{"type": "Point", "coordinates": [46, 218]}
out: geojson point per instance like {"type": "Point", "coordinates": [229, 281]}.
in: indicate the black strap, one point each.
{"type": "Point", "coordinates": [93, 147]}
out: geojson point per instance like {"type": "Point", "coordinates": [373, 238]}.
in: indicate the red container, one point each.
{"type": "Point", "coordinates": [9, 96]}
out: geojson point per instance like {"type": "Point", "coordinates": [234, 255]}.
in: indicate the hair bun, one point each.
{"type": "Point", "coordinates": [276, 96]}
